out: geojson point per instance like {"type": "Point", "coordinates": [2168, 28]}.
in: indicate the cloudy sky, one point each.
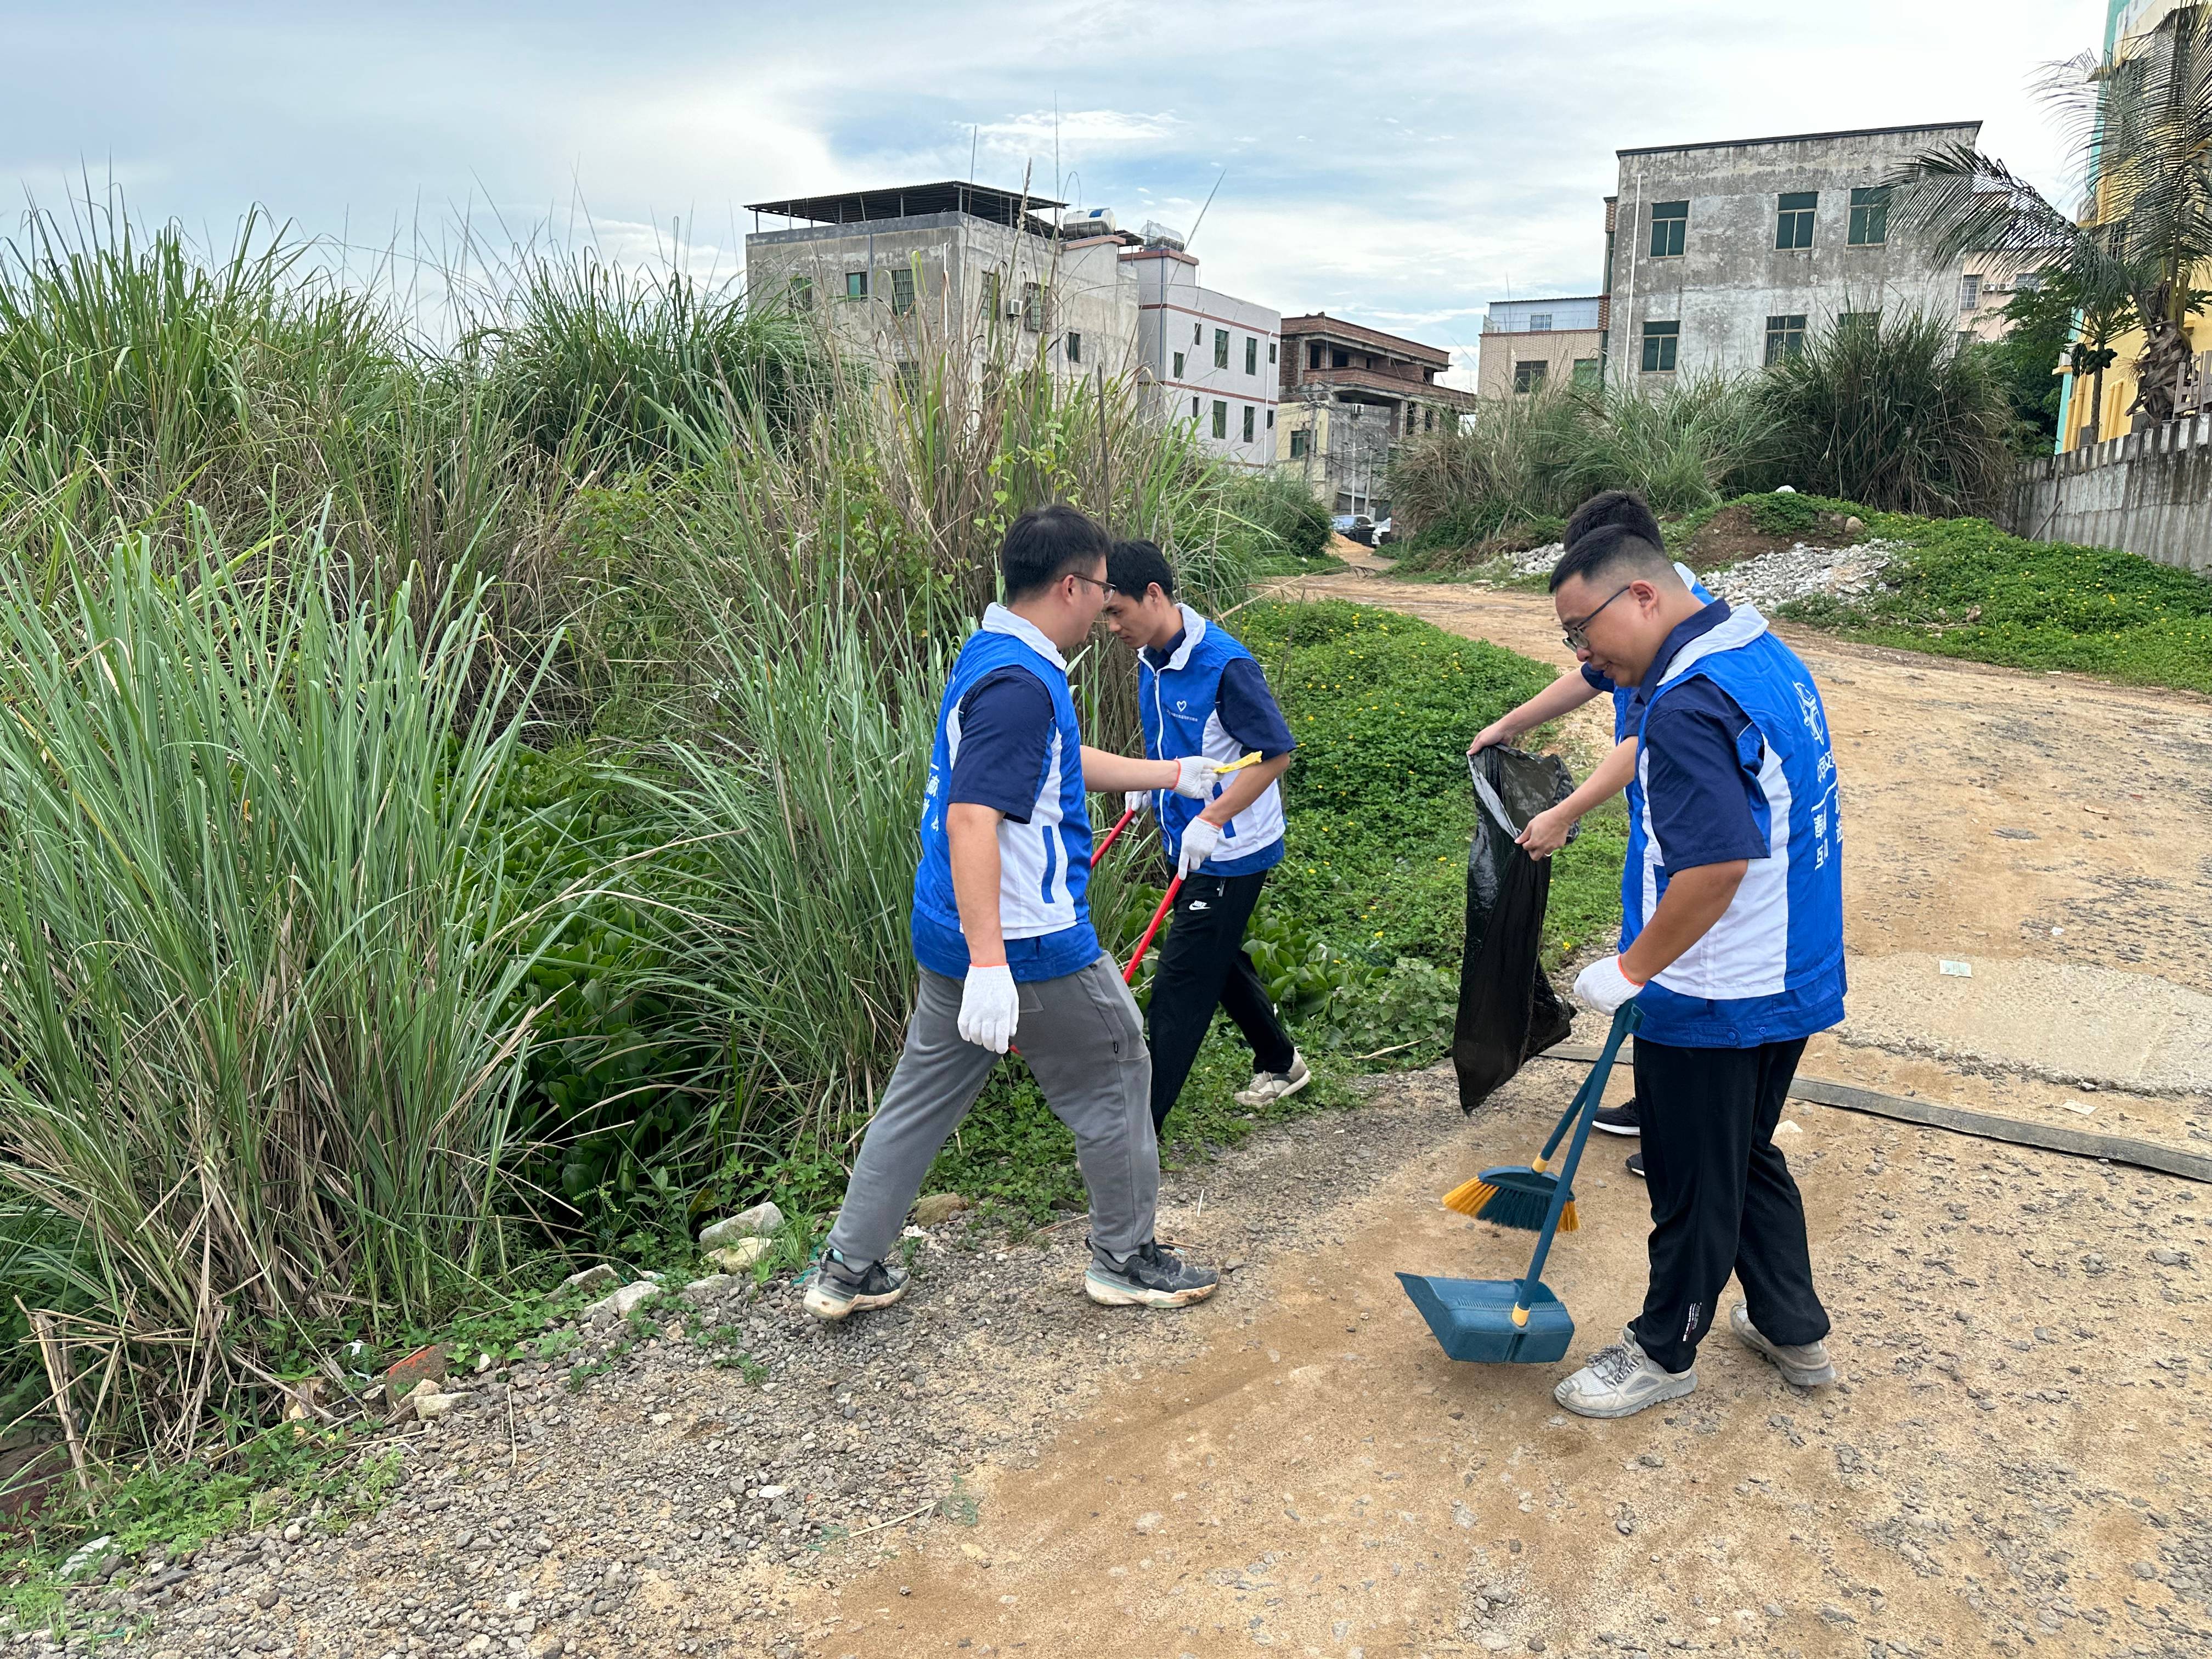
{"type": "Point", "coordinates": [1401, 164]}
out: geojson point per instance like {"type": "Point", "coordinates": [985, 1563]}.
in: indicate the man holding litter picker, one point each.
{"type": "Point", "coordinates": [1004, 939]}
{"type": "Point", "coordinates": [1732, 945]}
{"type": "Point", "coordinates": [1201, 695]}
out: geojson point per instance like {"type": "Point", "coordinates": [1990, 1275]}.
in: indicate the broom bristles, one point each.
{"type": "Point", "coordinates": [1469, 1196]}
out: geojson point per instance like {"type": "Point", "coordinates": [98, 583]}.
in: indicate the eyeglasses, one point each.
{"type": "Point", "coordinates": [1092, 581]}
{"type": "Point", "coordinates": [1577, 633]}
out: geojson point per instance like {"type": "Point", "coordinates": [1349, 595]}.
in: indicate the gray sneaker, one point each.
{"type": "Point", "coordinates": [839, 1287]}
{"type": "Point", "coordinates": [1268, 1087]}
{"type": "Point", "coordinates": [1807, 1365]}
{"type": "Point", "coordinates": [1620, 1381]}
{"type": "Point", "coordinates": [1149, 1277]}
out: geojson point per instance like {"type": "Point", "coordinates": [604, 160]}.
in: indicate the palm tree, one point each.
{"type": "Point", "coordinates": [2141, 124]}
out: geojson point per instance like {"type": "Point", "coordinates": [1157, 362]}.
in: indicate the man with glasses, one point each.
{"type": "Point", "coordinates": [1732, 944]}
{"type": "Point", "coordinates": [1003, 936]}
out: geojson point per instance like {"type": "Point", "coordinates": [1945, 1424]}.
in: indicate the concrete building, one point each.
{"type": "Point", "coordinates": [1349, 397]}
{"type": "Point", "coordinates": [1529, 345]}
{"type": "Point", "coordinates": [890, 273]}
{"type": "Point", "coordinates": [1724, 256]}
{"type": "Point", "coordinates": [1204, 357]}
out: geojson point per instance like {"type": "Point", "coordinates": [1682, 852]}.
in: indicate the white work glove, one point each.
{"type": "Point", "coordinates": [1195, 777]}
{"type": "Point", "coordinates": [1136, 800]}
{"type": "Point", "coordinates": [1603, 986]}
{"type": "Point", "coordinates": [1200, 838]}
{"type": "Point", "coordinates": [989, 1006]}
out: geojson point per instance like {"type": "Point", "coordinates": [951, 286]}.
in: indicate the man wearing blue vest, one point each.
{"type": "Point", "coordinates": [1199, 693]}
{"type": "Point", "coordinates": [1732, 943]}
{"type": "Point", "coordinates": [1004, 939]}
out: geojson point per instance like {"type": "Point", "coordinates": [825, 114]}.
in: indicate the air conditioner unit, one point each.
{"type": "Point", "coordinates": [1087, 221]}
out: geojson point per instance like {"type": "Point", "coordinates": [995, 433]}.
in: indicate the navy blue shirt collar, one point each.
{"type": "Point", "coordinates": [1704, 623]}
{"type": "Point", "coordinates": [1161, 655]}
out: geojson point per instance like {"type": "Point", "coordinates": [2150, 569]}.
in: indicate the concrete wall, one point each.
{"type": "Point", "coordinates": [1730, 278]}
{"type": "Point", "coordinates": [951, 255]}
{"type": "Point", "coordinates": [1559, 350]}
{"type": "Point", "coordinates": [1176, 317]}
{"type": "Point", "coordinates": [2150, 493]}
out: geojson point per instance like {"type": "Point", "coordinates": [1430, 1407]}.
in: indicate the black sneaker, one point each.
{"type": "Point", "coordinates": [1636, 1166]}
{"type": "Point", "coordinates": [838, 1288]}
{"type": "Point", "coordinates": [1149, 1278]}
{"type": "Point", "coordinates": [1625, 1119]}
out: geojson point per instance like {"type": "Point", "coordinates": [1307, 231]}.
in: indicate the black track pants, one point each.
{"type": "Point", "coordinates": [1202, 965]}
{"type": "Point", "coordinates": [1722, 1199]}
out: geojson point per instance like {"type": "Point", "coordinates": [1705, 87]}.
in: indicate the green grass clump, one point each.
{"type": "Point", "coordinates": [1963, 588]}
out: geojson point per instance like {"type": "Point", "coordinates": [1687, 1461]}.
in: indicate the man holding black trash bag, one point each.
{"type": "Point", "coordinates": [1731, 944]}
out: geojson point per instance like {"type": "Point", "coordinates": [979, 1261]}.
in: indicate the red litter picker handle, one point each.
{"type": "Point", "coordinates": [1129, 974]}
{"type": "Point", "coordinates": [1122, 823]}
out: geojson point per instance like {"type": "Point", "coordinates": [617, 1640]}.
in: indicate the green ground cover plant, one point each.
{"type": "Point", "coordinates": [1963, 588]}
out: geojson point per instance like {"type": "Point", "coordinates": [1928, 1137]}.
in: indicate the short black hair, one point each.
{"type": "Point", "coordinates": [1612, 550]}
{"type": "Point", "coordinates": [1047, 542]}
{"type": "Point", "coordinates": [1622, 506]}
{"type": "Point", "coordinates": [1132, 567]}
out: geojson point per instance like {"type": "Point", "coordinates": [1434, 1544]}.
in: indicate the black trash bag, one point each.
{"type": "Point", "coordinates": [1507, 1008]}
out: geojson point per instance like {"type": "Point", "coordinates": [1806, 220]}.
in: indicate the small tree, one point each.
{"type": "Point", "coordinates": [2139, 123]}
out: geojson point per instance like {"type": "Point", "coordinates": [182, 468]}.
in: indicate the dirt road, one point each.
{"type": "Point", "coordinates": [2019, 1455]}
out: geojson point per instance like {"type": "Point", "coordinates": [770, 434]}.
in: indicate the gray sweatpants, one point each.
{"type": "Point", "coordinates": [1082, 1038]}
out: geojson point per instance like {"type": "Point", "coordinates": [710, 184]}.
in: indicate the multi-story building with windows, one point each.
{"type": "Point", "coordinates": [1530, 345]}
{"type": "Point", "coordinates": [1204, 357]}
{"type": "Point", "coordinates": [1349, 397]}
{"type": "Point", "coordinates": [1725, 256]}
{"type": "Point", "coordinates": [894, 274]}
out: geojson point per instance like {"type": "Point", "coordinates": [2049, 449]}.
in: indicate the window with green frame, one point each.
{"type": "Point", "coordinates": [1786, 336]}
{"type": "Point", "coordinates": [1251, 355]}
{"type": "Point", "coordinates": [1793, 218]}
{"type": "Point", "coordinates": [1220, 351]}
{"type": "Point", "coordinates": [1297, 445]}
{"type": "Point", "coordinates": [1660, 340]}
{"type": "Point", "coordinates": [1670, 226]}
{"type": "Point", "coordinates": [901, 292]}
{"type": "Point", "coordinates": [801, 292]}
{"type": "Point", "coordinates": [1528, 376]}
{"type": "Point", "coordinates": [1220, 418]}
{"type": "Point", "coordinates": [1178, 366]}
{"type": "Point", "coordinates": [1585, 371]}
{"type": "Point", "coordinates": [1869, 217]}
{"type": "Point", "coordinates": [856, 284]}
{"type": "Point", "coordinates": [1249, 415]}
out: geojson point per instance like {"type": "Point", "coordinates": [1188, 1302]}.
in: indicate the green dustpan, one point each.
{"type": "Point", "coordinates": [1520, 1321]}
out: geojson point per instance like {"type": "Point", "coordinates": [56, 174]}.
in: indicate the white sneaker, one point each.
{"type": "Point", "coordinates": [1621, 1380]}
{"type": "Point", "coordinates": [1808, 1364]}
{"type": "Point", "coordinates": [1268, 1087]}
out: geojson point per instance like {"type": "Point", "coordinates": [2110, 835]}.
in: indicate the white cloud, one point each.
{"type": "Point", "coordinates": [1093, 129]}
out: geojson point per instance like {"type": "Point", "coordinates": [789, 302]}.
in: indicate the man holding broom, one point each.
{"type": "Point", "coordinates": [1004, 939]}
{"type": "Point", "coordinates": [1732, 945]}
{"type": "Point", "coordinates": [1200, 694]}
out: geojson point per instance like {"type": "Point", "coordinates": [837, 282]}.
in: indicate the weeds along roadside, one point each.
{"type": "Point", "coordinates": [501, 894]}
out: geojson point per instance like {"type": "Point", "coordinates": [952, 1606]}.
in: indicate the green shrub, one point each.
{"type": "Point", "coordinates": [1891, 413]}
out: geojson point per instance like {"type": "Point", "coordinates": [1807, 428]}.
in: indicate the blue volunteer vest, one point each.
{"type": "Point", "coordinates": [1771, 969]}
{"type": "Point", "coordinates": [1043, 864]}
{"type": "Point", "coordinates": [1178, 706]}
